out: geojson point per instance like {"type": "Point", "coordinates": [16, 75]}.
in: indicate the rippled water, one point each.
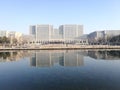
{"type": "Point", "coordinates": [60, 70]}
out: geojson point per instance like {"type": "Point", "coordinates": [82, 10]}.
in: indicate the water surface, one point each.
{"type": "Point", "coordinates": [60, 70]}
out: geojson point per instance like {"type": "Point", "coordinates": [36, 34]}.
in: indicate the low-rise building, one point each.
{"type": "Point", "coordinates": [102, 35]}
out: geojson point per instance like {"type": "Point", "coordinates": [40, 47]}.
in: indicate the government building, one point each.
{"type": "Point", "coordinates": [68, 33]}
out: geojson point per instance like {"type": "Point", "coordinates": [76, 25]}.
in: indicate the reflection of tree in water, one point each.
{"type": "Point", "coordinates": [112, 53]}
{"type": "Point", "coordinates": [6, 55]}
{"type": "Point", "coordinates": [115, 53]}
{"type": "Point", "coordinates": [14, 53]}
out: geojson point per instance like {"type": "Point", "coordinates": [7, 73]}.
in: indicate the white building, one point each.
{"type": "Point", "coordinates": [10, 34]}
{"type": "Point", "coordinates": [2, 33]}
{"type": "Point", "coordinates": [71, 31]}
{"type": "Point", "coordinates": [43, 32]}
{"type": "Point", "coordinates": [55, 34]}
{"type": "Point", "coordinates": [32, 30]}
{"type": "Point", "coordinates": [18, 35]}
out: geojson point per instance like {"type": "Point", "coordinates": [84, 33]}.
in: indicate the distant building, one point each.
{"type": "Point", "coordinates": [68, 33]}
{"type": "Point", "coordinates": [11, 35]}
{"type": "Point", "coordinates": [18, 35]}
{"type": "Point", "coordinates": [26, 39]}
{"type": "Point", "coordinates": [94, 36]}
{"type": "Point", "coordinates": [32, 30]}
{"type": "Point", "coordinates": [111, 33]}
{"type": "Point", "coordinates": [55, 34]}
{"type": "Point", "coordinates": [43, 32]}
{"type": "Point", "coordinates": [71, 31]}
{"type": "Point", "coordinates": [3, 33]}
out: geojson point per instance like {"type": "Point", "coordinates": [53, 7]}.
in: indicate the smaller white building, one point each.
{"type": "Point", "coordinates": [3, 33]}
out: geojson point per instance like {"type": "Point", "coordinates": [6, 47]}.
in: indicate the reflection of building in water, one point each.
{"type": "Point", "coordinates": [106, 55]}
{"type": "Point", "coordinates": [55, 57]}
{"type": "Point", "coordinates": [47, 59]}
{"type": "Point", "coordinates": [39, 59]}
{"type": "Point", "coordinates": [43, 60]}
{"type": "Point", "coordinates": [33, 60]}
{"type": "Point", "coordinates": [71, 59]}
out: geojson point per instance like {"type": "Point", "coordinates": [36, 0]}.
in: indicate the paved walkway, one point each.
{"type": "Point", "coordinates": [50, 47]}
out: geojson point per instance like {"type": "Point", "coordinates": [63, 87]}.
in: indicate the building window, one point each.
{"type": "Point", "coordinates": [84, 41]}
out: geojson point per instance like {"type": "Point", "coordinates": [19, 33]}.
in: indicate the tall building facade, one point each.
{"type": "Point", "coordinates": [71, 31]}
{"type": "Point", "coordinates": [68, 33]}
{"type": "Point", "coordinates": [32, 30]}
{"type": "Point", "coordinates": [55, 34]}
{"type": "Point", "coordinates": [43, 32]}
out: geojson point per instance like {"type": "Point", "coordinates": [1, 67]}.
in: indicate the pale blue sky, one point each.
{"type": "Point", "coordinates": [17, 15]}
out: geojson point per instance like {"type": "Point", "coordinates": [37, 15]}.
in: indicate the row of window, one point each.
{"type": "Point", "coordinates": [59, 42]}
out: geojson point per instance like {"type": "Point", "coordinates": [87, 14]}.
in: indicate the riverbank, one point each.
{"type": "Point", "coordinates": [61, 47]}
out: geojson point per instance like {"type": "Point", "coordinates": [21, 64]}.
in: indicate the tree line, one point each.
{"type": "Point", "coordinates": [4, 40]}
{"type": "Point", "coordinates": [7, 40]}
{"type": "Point", "coordinates": [115, 40]}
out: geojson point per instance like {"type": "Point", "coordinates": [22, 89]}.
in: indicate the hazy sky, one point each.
{"type": "Point", "coordinates": [17, 15]}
